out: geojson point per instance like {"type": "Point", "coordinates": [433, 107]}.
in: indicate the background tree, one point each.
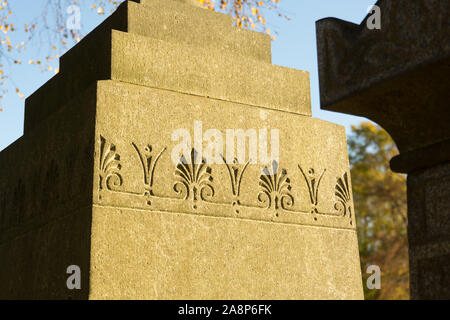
{"type": "Point", "coordinates": [380, 205]}
{"type": "Point", "coordinates": [49, 30]}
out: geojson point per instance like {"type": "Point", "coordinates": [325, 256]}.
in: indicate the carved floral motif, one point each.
{"type": "Point", "coordinates": [109, 166]}
{"type": "Point", "coordinates": [194, 179]}
{"type": "Point", "coordinates": [236, 172]}
{"type": "Point", "coordinates": [194, 183]}
{"type": "Point", "coordinates": [313, 182]}
{"type": "Point", "coordinates": [276, 188]}
{"type": "Point", "coordinates": [343, 196]}
{"type": "Point", "coordinates": [148, 163]}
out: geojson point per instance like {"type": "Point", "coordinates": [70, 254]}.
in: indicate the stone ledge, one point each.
{"type": "Point", "coordinates": [172, 21]}
{"type": "Point", "coordinates": [160, 64]}
{"type": "Point", "coordinates": [422, 158]}
{"type": "Point", "coordinates": [211, 30]}
{"type": "Point", "coordinates": [401, 105]}
{"type": "Point", "coordinates": [155, 63]}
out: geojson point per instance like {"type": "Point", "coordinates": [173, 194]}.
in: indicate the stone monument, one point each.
{"type": "Point", "coordinates": [398, 76]}
{"type": "Point", "coordinates": [95, 182]}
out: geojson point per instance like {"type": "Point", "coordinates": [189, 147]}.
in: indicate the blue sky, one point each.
{"type": "Point", "coordinates": [294, 47]}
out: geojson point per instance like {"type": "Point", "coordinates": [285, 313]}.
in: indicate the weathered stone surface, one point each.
{"type": "Point", "coordinates": [96, 183]}
{"type": "Point", "coordinates": [173, 21]}
{"type": "Point", "coordinates": [305, 239]}
{"type": "Point", "coordinates": [155, 114]}
{"type": "Point", "coordinates": [422, 158]}
{"type": "Point", "coordinates": [429, 232]}
{"type": "Point", "coordinates": [189, 2]}
{"type": "Point", "coordinates": [260, 84]}
{"type": "Point", "coordinates": [45, 204]}
{"type": "Point", "coordinates": [176, 256]}
{"type": "Point", "coordinates": [253, 242]}
{"type": "Point", "coordinates": [399, 77]}
{"type": "Point", "coordinates": [34, 263]}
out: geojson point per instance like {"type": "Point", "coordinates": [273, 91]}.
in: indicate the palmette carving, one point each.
{"type": "Point", "coordinates": [194, 178]}
{"type": "Point", "coordinates": [343, 196]}
{"type": "Point", "coordinates": [109, 166]}
{"type": "Point", "coordinates": [275, 200]}
{"type": "Point", "coordinates": [276, 188]}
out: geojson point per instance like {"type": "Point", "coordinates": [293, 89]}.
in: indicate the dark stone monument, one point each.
{"type": "Point", "coordinates": [398, 76]}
